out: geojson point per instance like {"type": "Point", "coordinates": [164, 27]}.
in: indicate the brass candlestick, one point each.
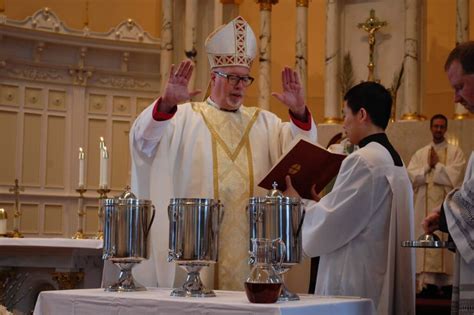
{"type": "Point", "coordinates": [17, 214]}
{"type": "Point", "coordinates": [79, 235]}
{"type": "Point", "coordinates": [371, 26]}
{"type": "Point", "coordinates": [102, 195]}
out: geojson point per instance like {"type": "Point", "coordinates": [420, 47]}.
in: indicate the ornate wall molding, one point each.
{"type": "Point", "coordinates": [46, 20]}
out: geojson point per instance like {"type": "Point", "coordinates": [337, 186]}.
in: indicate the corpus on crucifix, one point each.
{"type": "Point", "coordinates": [371, 26]}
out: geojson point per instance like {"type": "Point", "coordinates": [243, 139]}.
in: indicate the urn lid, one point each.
{"type": "Point", "coordinates": [127, 194]}
{"type": "Point", "coordinates": [274, 192]}
{"type": "Point", "coordinates": [429, 241]}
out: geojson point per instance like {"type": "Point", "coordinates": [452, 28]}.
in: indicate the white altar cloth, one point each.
{"type": "Point", "coordinates": [50, 242]}
{"type": "Point", "coordinates": [157, 301]}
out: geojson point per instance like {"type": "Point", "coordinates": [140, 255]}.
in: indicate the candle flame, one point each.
{"type": "Point", "coordinates": [81, 154]}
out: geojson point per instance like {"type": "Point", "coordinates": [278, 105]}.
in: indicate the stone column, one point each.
{"type": "Point", "coordinates": [462, 35]}
{"type": "Point", "coordinates": [332, 94]}
{"type": "Point", "coordinates": [264, 76]}
{"type": "Point", "coordinates": [218, 13]}
{"type": "Point", "coordinates": [411, 107]}
{"type": "Point", "coordinates": [302, 41]}
{"type": "Point", "coordinates": [190, 28]}
{"type": "Point", "coordinates": [166, 57]}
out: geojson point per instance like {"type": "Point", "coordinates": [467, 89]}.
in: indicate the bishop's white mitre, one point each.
{"type": "Point", "coordinates": [233, 44]}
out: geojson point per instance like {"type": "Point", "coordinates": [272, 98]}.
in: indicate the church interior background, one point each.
{"type": "Point", "coordinates": [74, 71]}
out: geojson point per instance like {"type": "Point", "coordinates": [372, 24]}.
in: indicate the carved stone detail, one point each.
{"type": "Point", "coordinates": [46, 20]}
{"type": "Point", "coordinates": [35, 73]}
{"type": "Point", "coordinates": [68, 280]}
{"type": "Point", "coordinates": [123, 82]}
{"type": "Point", "coordinates": [80, 75]}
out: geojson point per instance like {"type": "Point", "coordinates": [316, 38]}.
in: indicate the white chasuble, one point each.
{"type": "Point", "coordinates": [232, 156]}
{"type": "Point", "coordinates": [434, 266]}
{"type": "Point", "coordinates": [219, 155]}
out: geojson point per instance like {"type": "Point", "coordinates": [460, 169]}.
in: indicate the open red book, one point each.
{"type": "Point", "coordinates": [307, 164]}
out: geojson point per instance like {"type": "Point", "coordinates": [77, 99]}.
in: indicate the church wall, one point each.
{"type": "Point", "coordinates": [438, 37]}
{"type": "Point", "coordinates": [99, 15]}
{"type": "Point", "coordinates": [47, 121]}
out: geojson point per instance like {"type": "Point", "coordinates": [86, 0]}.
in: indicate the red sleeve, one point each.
{"type": "Point", "coordinates": [161, 116]}
{"type": "Point", "coordinates": [304, 125]}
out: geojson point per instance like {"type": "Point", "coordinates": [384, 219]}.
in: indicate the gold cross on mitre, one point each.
{"type": "Point", "coordinates": [371, 26]}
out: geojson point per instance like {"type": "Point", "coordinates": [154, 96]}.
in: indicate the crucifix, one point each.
{"type": "Point", "coordinates": [17, 215]}
{"type": "Point", "coordinates": [371, 26]}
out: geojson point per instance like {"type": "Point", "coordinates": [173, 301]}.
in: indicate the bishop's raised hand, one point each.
{"type": "Point", "coordinates": [293, 94]}
{"type": "Point", "coordinates": [176, 89]}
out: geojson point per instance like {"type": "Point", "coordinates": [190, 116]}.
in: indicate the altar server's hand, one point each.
{"type": "Point", "coordinates": [431, 222]}
{"type": "Point", "coordinates": [290, 190]}
{"type": "Point", "coordinates": [314, 194]}
{"type": "Point", "coordinates": [176, 89]}
{"type": "Point", "coordinates": [293, 94]}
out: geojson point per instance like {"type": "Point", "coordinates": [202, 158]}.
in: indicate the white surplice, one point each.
{"type": "Point", "coordinates": [357, 230]}
{"type": "Point", "coordinates": [430, 185]}
{"type": "Point", "coordinates": [459, 211]}
{"type": "Point", "coordinates": [174, 159]}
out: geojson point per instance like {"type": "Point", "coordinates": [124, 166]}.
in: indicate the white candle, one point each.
{"type": "Point", "coordinates": [81, 168]}
{"type": "Point", "coordinates": [102, 165]}
{"type": "Point", "coordinates": [105, 174]}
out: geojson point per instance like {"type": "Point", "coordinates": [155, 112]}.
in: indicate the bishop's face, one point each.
{"type": "Point", "coordinates": [228, 86]}
{"type": "Point", "coordinates": [352, 124]}
{"type": "Point", "coordinates": [463, 85]}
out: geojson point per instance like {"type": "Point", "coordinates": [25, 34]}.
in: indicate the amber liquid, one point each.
{"type": "Point", "coordinates": [262, 292]}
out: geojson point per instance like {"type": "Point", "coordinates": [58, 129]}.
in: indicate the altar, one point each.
{"type": "Point", "coordinates": [31, 265]}
{"type": "Point", "coordinates": [158, 301]}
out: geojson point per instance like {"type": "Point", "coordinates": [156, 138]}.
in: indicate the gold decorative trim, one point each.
{"type": "Point", "coordinates": [250, 165]}
{"type": "Point", "coordinates": [216, 139]}
{"type": "Point", "coordinates": [457, 116]}
{"type": "Point", "coordinates": [266, 5]}
{"type": "Point", "coordinates": [333, 120]}
{"type": "Point", "coordinates": [67, 280]}
{"type": "Point", "coordinates": [236, 2]}
{"type": "Point", "coordinates": [232, 155]}
{"type": "Point", "coordinates": [411, 116]}
{"type": "Point", "coordinates": [302, 3]}
{"type": "Point", "coordinates": [215, 167]}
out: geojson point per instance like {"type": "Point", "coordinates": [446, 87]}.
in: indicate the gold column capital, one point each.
{"type": "Point", "coordinates": [460, 116]}
{"type": "Point", "coordinates": [302, 3]}
{"type": "Point", "coordinates": [411, 116]}
{"type": "Point", "coordinates": [237, 2]}
{"type": "Point", "coordinates": [266, 5]}
{"type": "Point", "coordinates": [333, 120]}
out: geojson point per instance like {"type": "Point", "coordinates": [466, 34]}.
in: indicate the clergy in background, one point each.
{"type": "Point", "coordinates": [434, 171]}
{"type": "Point", "coordinates": [216, 149]}
{"type": "Point", "coordinates": [358, 227]}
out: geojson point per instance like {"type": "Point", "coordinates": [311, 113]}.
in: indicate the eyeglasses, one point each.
{"type": "Point", "coordinates": [235, 79]}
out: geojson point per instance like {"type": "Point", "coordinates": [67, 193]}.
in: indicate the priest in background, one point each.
{"type": "Point", "coordinates": [358, 227]}
{"type": "Point", "coordinates": [456, 214]}
{"type": "Point", "coordinates": [215, 149]}
{"type": "Point", "coordinates": [434, 171]}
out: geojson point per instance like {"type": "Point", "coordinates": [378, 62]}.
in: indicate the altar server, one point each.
{"type": "Point", "coordinates": [358, 227]}
{"type": "Point", "coordinates": [213, 149]}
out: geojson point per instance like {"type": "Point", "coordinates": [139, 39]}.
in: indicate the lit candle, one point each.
{"type": "Point", "coordinates": [105, 173]}
{"type": "Point", "coordinates": [82, 156]}
{"type": "Point", "coordinates": [101, 165]}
